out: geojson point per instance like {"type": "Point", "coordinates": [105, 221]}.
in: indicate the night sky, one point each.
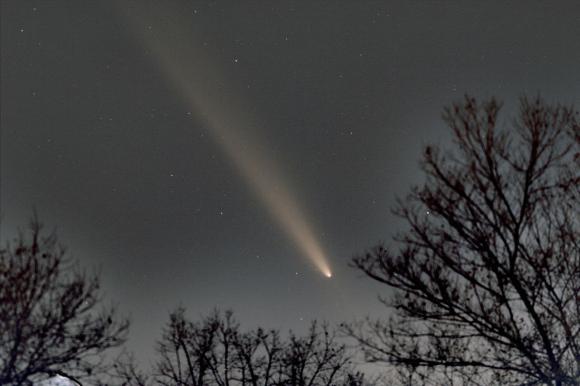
{"type": "Point", "coordinates": [225, 153]}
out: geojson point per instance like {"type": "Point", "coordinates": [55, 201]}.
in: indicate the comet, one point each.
{"type": "Point", "coordinates": [197, 79]}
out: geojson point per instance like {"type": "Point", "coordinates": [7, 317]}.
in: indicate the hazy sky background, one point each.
{"type": "Point", "coordinates": [343, 95]}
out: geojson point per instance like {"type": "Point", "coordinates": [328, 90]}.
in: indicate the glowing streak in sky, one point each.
{"type": "Point", "coordinates": [192, 74]}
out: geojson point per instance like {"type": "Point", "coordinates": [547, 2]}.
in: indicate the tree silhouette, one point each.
{"type": "Point", "coordinates": [214, 351]}
{"type": "Point", "coordinates": [50, 323]}
{"type": "Point", "coordinates": [487, 278]}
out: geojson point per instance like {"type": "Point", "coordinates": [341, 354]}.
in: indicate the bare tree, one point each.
{"type": "Point", "coordinates": [215, 352]}
{"type": "Point", "coordinates": [487, 278]}
{"type": "Point", "coordinates": [260, 356]}
{"type": "Point", "coordinates": [125, 372]}
{"type": "Point", "coordinates": [314, 359]}
{"type": "Point", "coordinates": [186, 350]}
{"type": "Point", "coordinates": [50, 321]}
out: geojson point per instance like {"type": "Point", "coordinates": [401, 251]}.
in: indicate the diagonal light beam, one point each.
{"type": "Point", "coordinates": [196, 79]}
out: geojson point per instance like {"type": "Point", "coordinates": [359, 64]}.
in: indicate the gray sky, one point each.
{"type": "Point", "coordinates": [98, 136]}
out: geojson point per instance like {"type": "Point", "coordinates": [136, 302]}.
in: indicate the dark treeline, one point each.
{"type": "Point", "coordinates": [486, 284]}
{"type": "Point", "coordinates": [214, 351]}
